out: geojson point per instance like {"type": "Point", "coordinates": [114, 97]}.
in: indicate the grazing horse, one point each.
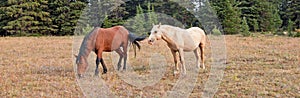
{"type": "Point", "coordinates": [180, 40]}
{"type": "Point", "coordinates": [102, 40]}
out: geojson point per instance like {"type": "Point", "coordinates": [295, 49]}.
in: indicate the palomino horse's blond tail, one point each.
{"type": "Point", "coordinates": [207, 41]}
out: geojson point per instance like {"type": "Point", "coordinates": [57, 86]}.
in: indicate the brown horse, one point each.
{"type": "Point", "coordinates": [102, 40]}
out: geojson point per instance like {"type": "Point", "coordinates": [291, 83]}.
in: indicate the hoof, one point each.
{"type": "Point", "coordinates": [80, 76]}
{"type": "Point", "coordinates": [97, 74]}
{"type": "Point", "coordinates": [175, 73]}
{"type": "Point", "coordinates": [119, 67]}
{"type": "Point", "coordinates": [104, 72]}
{"type": "Point", "coordinates": [198, 66]}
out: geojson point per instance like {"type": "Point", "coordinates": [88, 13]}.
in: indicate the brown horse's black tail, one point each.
{"type": "Point", "coordinates": [134, 41]}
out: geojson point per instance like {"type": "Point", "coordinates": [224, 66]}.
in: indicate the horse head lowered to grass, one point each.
{"type": "Point", "coordinates": [180, 40]}
{"type": "Point", "coordinates": [102, 40]}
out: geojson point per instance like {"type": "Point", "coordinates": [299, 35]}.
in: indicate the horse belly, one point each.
{"type": "Point", "coordinates": [112, 46]}
{"type": "Point", "coordinates": [188, 49]}
{"type": "Point", "coordinates": [190, 43]}
{"type": "Point", "coordinates": [108, 45]}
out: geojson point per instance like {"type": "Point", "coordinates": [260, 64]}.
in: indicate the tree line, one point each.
{"type": "Point", "coordinates": [258, 15]}
{"type": "Point", "coordinates": [63, 17]}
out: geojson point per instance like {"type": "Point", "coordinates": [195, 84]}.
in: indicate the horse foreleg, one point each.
{"type": "Point", "coordinates": [99, 54]}
{"type": "Point", "coordinates": [125, 56]}
{"type": "Point", "coordinates": [181, 56]}
{"type": "Point", "coordinates": [97, 64]}
{"type": "Point", "coordinates": [202, 54]}
{"type": "Point", "coordinates": [175, 57]}
{"type": "Point", "coordinates": [103, 66]}
{"type": "Point", "coordinates": [197, 58]}
{"type": "Point", "coordinates": [119, 51]}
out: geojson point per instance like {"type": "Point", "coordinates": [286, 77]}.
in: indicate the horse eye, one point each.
{"type": "Point", "coordinates": [155, 31]}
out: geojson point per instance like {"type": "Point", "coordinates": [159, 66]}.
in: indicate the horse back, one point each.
{"type": "Point", "coordinates": [110, 39]}
{"type": "Point", "coordinates": [197, 34]}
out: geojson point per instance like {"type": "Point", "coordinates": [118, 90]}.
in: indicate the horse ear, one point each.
{"type": "Point", "coordinates": [159, 25]}
{"type": "Point", "coordinates": [153, 24]}
{"type": "Point", "coordinates": [75, 55]}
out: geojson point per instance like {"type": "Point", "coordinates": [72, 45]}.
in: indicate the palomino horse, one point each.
{"type": "Point", "coordinates": [102, 40]}
{"type": "Point", "coordinates": [180, 40]}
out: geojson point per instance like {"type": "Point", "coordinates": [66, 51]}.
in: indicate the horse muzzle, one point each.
{"type": "Point", "coordinates": [150, 41]}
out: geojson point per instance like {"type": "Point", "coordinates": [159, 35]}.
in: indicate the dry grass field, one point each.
{"type": "Point", "coordinates": [261, 66]}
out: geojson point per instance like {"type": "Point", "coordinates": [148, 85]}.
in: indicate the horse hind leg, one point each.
{"type": "Point", "coordinates": [181, 56]}
{"type": "Point", "coordinates": [125, 55]}
{"type": "Point", "coordinates": [197, 58]}
{"type": "Point", "coordinates": [202, 47]}
{"type": "Point", "coordinates": [119, 51]}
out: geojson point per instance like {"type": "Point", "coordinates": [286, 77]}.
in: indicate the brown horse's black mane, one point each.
{"type": "Point", "coordinates": [88, 41]}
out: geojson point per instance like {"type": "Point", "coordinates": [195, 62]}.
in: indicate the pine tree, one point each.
{"type": "Point", "coordinates": [107, 23]}
{"type": "Point", "coordinates": [141, 24]}
{"type": "Point", "coordinates": [245, 28]}
{"type": "Point", "coordinates": [293, 12]}
{"type": "Point", "coordinates": [96, 12]}
{"type": "Point", "coordinates": [60, 16]}
{"type": "Point", "coordinates": [207, 16]}
{"type": "Point", "coordinates": [283, 6]}
{"type": "Point", "coordinates": [255, 25]}
{"type": "Point", "coordinates": [183, 13]}
{"type": "Point", "coordinates": [152, 17]}
{"type": "Point", "coordinates": [231, 21]}
{"type": "Point", "coordinates": [82, 18]}
{"type": "Point", "coordinates": [27, 17]}
{"type": "Point", "coordinates": [269, 20]}
{"type": "Point", "coordinates": [249, 9]}
{"type": "Point", "coordinates": [65, 16]}
{"type": "Point", "coordinates": [277, 21]}
{"type": "Point", "coordinates": [290, 28]}
{"type": "Point", "coordinates": [139, 20]}
{"type": "Point", "coordinates": [117, 13]}
{"type": "Point", "coordinates": [216, 31]}
{"type": "Point", "coordinates": [112, 8]}
{"type": "Point", "coordinates": [5, 17]}
{"type": "Point", "coordinates": [229, 15]}
{"type": "Point", "coordinates": [45, 19]}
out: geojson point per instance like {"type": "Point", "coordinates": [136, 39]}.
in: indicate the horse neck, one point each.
{"type": "Point", "coordinates": [167, 36]}
{"type": "Point", "coordinates": [88, 44]}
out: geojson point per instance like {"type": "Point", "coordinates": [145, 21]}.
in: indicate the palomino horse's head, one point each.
{"type": "Point", "coordinates": [155, 34]}
{"type": "Point", "coordinates": [82, 64]}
